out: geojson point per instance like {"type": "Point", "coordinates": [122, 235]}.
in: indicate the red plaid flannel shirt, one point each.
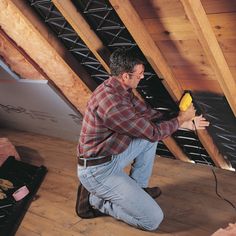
{"type": "Point", "coordinates": [114, 116]}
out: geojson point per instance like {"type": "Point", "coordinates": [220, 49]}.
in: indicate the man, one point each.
{"type": "Point", "coordinates": [119, 129]}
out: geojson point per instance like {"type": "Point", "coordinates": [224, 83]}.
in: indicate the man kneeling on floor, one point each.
{"type": "Point", "coordinates": [118, 129]}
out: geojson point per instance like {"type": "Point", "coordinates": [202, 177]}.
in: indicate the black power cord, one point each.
{"type": "Point", "coordinates": [216, 190]}
{"type": "Point", "coordinates": [214, 174]}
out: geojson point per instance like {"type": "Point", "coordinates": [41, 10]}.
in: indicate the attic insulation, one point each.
{"type": "Point", "coordinates": [222, 128]}
{"type": "Point", "coordinates": [72, 41]}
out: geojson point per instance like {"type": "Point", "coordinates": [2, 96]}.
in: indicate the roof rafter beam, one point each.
{"type": "Point", "coordinates": [78, 23]}
{"type": "Point", "coordinates": [131, 19]}
{"type": "Point", "coordinates": [175, 149]}
{"type": "Point", "coordinates": [83, 29]}
{"type": "Point", "coordinates": [137, 29]}
{"type": "Point", "coordinates": [18, 60]}
{"type": "Point", "coordinates": [198, 18]}
{"type": "Point", "coordinates": [21, 25]}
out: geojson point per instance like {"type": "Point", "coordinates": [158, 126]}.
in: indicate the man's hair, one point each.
{"type": "Point", "coordinates": [124, 60]}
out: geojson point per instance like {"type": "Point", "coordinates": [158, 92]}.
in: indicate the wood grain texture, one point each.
{"type": "Point", "coordinates": [144, 39]}
{"type": "Point", "coordinates": [188, 198]}
{"type": "Point", "coordinates": [131, 19]}
{"type": "Point", "coordinates": [18, 60]}
{"type": "Point", "coordinates": [19, 23]}
{"type": "Point", "coordinates": [79, 24]}
{"type": "Point", "coordinates": [198, 18]}
{"type": "Point", "coordinates": [176, 39]}
{"type": "Point", "coordinates": [82, 28]}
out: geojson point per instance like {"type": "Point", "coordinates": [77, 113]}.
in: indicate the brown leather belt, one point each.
{"type": "Point", "coordinates": [93, 162]}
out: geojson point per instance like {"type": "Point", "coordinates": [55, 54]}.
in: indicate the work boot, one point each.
{"type": "Point", "coordinates": [154, 192]}
{"type": "Point", "coordinates": [83, 208]}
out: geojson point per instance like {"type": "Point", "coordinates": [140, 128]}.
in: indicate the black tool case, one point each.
{"type": "Point", "coordinates": [20, 174]}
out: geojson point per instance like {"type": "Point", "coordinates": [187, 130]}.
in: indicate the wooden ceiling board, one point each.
{"type": "Point", "coordinates": [219, 6]}
{"type": "Point", "coordinates": [223, 25]}
{"type": "Point", "coordinates": [186, 59]}
{"type": "Point", "coordinates": [227, 45]}
{"type": "Point", "coordinates": [186, 46]}
{"type": "Point", "coordinates": [158, 8]}
{"type": "Point", "coordinates": [169, 28]}
{"type": "Point", "coordinates": [203, 29]}
{"type": "Point", "coordinates": [179, 43]}
{"type": "Point", "coordinates": [210, 86]}
{"type": "Point", "coordinates": [192, 72]}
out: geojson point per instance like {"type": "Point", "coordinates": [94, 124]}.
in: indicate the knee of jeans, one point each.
{"type": "Point", "coordinates": [153, 221]}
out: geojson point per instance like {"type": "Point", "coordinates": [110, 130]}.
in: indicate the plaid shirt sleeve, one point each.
{"type": "Point", "coordinates": [142, 107]}
{"type": "Point", "coordinates": [124, 118]}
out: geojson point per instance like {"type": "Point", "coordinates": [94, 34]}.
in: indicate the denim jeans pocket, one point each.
{"type": "Point", "coordinates": [101, 172]}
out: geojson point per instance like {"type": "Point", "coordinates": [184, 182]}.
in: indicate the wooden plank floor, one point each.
{"type": "Point", "coordinates": [189, 201]}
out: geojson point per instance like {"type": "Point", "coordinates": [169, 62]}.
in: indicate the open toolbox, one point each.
{"type": "Point", "coordinates": [23, 176]}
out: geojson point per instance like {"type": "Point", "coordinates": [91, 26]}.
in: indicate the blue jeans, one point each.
{"type": "Point", "coordinates": [115, 193]}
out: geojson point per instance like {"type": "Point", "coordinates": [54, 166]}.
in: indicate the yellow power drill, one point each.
{"type": "Point", "coordinates": [185, 102]}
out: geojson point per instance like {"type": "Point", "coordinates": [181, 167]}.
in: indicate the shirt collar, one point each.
{"type": "Point", "coordinates": [115, 83]}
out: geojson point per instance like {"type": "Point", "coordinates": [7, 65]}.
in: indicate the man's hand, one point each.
{"type": "Point", "coordinates": [199, 123]}
{"type": "Point", "coordinates": [187, 115]}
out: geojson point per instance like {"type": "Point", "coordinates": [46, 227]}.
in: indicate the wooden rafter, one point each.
{"type": "Point", "coordinates": [89, 37]}
{"type": "Point", "coordinates": [131, 19]}
{"type": "Point", "coordinates": [20, 53]}
{"type": "Point", "coordinates": [212, 150]}
{"type": "Point", "coordinates": [137, 29]}
{"type": "Point", "coordinates": [175, 149]}
{"type": "Point", "coordinates": [18, 60]}
{"type": "Point", "coordinates": [82, 28]}
{"type": "Point", "coordinates": [198, 18]}
{"type": "Point", "coordinates": [26, 31]}
{"type": "Point", "coordinates": [78, 23]}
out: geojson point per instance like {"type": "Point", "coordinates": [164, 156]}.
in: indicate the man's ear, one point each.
{"type": "Point", "coordinates": [125, 76]}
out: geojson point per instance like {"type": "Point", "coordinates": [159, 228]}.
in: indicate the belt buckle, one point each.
{"type": "Point", "coordinates": [85, 162]}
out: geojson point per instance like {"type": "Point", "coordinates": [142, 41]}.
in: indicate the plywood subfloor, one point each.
{"type": "Point", "coordinates": [189, 201]}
